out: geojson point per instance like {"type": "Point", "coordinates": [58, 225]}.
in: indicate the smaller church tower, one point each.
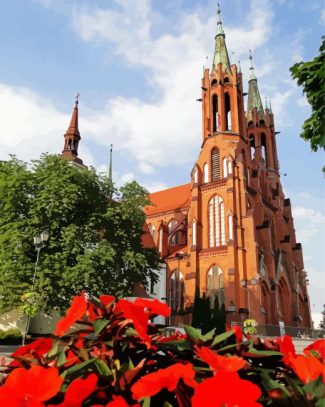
{"type": "Point", "coordinates": [72, 138]}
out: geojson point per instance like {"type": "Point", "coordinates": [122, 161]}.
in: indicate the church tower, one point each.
{"type": "Point", "coordinates": [72, 138]}
{"type": "Point", "coordinates": [229, 232]}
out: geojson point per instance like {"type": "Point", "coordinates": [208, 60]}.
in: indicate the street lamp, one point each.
{"type": "Point", "coordinates": [39, 243]}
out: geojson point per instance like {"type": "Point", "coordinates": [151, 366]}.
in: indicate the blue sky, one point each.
{"type": "Point", "coordinates": [137, 65]}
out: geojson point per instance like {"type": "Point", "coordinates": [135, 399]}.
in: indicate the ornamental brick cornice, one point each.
{"type": "Point", "coordinates": [220, 183]}
{"type": "Point", "coordinates": [214, 251]}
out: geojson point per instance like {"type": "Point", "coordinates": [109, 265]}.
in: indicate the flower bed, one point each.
{"type": "Point", "coordinates": [117, 358]}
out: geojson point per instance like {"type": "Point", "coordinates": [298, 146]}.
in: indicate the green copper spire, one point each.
{"type": "Point", "coordinates": [254, 97]}
{"type": "Point", "coordinates": [110, 173]}
{"type": "Point", "coordinates": [220, 50]}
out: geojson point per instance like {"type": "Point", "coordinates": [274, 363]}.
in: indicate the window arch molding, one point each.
{"type": "Point", "coordinates": [215, 284]}
{"type": "Point", "coordinates": [216, 216]}
{"type": "Point", "coordinates": [176, 292]}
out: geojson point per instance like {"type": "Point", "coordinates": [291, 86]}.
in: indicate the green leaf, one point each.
{"type": "Point", "coordinates": [254, 351]}
{"type": "Point", "coordinates": [222, 337]}
{"type": "Point", "coordinates": [76, 368]}
{"type": "Point", "coordinates": [99, 325]}
{"type": "Point", "coordinates": [271, 384]}
{"type": "Point", "coordinates": [146, 402]}
{"type": "Point", "coordinates": [61, 359]}
{"type": "Point", "coordinates": [103, 369]}
{"type": "Point", "coordinates": [193, 333]}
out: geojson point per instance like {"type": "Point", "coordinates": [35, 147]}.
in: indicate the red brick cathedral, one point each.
{"type": "Point", "coordinates": [230, 231]}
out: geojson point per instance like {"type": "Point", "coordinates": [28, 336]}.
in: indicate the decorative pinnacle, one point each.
{"type": "Point", "coordinates": [77, 99]}
{"type": "Point", "coordinates": [219, 22]}
{"type": "Point", "coordinates": [266, 104]}
{"type": "Point", "coordinates": [252, 74]}
{"type": "Point", "coordinates": [239, 67]}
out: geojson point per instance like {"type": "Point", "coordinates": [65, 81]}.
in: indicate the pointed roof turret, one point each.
{"type": "Point", "coordinates": [220, 50]}
{"type": "Point", "coordinates": [254, 97]}
{"type": "Point", "coordinates": [72, 136]}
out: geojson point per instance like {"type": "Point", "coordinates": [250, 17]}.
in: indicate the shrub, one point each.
{"type": "Point", "coordinates": [116, 358]}
{"type": "Point", "coordinates": [11, 336]}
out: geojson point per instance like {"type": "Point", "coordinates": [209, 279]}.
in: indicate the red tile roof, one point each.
{"type": "Point", "coordinates": [169, 199]}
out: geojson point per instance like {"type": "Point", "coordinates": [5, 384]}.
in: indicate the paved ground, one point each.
{"type": "Point", "coordinates": [6, 350]}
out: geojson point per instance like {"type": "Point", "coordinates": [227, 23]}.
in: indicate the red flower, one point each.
{"type": "Point", "coordinates": [41, 346]}
{"type": "Point", "coordinates": [226, 389]}
{"type": "Point", "coordinates": [137, 315]}
{"type": "Point", "coordinates": [152, 383]}
{"type": "Point", "coordinates": [76, 311]}
{"type": "Point", "coordinates": [318, 346]}
{"type": "Point", "coordinates": [78, 391]}
{"type": "Point", "coordinates": [29, 388]}
{"type": "Point", "coordinates": [107, 299]}
{"type": "Point", "coordinates": [286, 347]}
{"type": "Point", "coordinates": [238, 333]}
{"type": "Point", "coordinates": [176, 337]}
{"type": "Point", "coordinates": [118, 401]}
{"type": "Point", "coordinates": [72, 359]}
{"type": "Point", "coordinates": [307, 368]}
{"type": "Point", "coordinates": [153, 306]}
{"type": "Point", "coordinates": [217, 362]}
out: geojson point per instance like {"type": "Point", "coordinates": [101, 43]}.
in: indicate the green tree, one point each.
{"type": "Point", "coordinates": [95, 242]}
{"type": "Point", "coordinates": [322, 322]}
{"type": "Point", "coordinates": [311, 76]}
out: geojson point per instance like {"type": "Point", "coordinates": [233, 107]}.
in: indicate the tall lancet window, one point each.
{"type": "Point", "coordinates": [215, 285]}
{"type": "Point", "coordinates": [251, 139]}
{"type": "Point", "coordinates": [216, 123]}
{"type": "Point", "coordinates": [228, 112]}
{"type": "Point", "coordinates": [217, 235]}
{"type": "Point", "coordinates": [215, 164]}
{"type": "Point", "coordinates": [205, 173]}
{"type": "Point", "coordinates": [230, 227]}
{"type": "Point", "coordinates": [264, 149]}
{"type": "Point", "coordinates": [194, 232]}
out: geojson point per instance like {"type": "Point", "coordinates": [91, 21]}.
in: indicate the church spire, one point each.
{"type": "Point", "coordinates": [72, 136]}
{"type": "Point", "coordinates": [254, 97]}
{"type": "Point", "coordinates": [220, 50]}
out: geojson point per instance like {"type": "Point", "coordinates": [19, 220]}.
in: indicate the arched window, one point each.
{"type": "Point", "coordinates": [228, 112]}
{"type": "Point", "coordinates": [215, 116]}
{"type": "Point", "coordinates": [206, 173]}
{"type": "Point", "coordinates": [225, 167]}
{"type": "Point", "coordinates": [215, 164]}
{"type": "Point", "coordinates": [230, 226]}
{"type": "Point", "coordinates": [176, 291]}
{"type": "Point", "coordinates": [229, 165]}
{"type": "Point", "coordinates": [216, 222]}
{"type": "Point", "coordinates": [252, 146]}
{"type": "Point", "coordinates": [194, 232]}
{"type": "Point", "coordinates": [215, 285]}
{"type": "Point", "coordinates": [171, 225]}
{"type": "Point", "coordinates": [264, 149]}
{"type": "Point", "coordinates": [176, 239]}
{"type": "Point", "coordinates": [152, 230]}
{"type": "Point", "coordinates": [161, 235]}
{"type": "Point", "coordinates": [195, 175]}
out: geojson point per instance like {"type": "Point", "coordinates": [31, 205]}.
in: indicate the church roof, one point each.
{"type": "Point", "coordinates": [169, 199]}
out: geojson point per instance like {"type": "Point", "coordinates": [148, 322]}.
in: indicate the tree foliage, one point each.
{"type": "Point", "coordinates": [94, 244]}
{"type": "Point", "coordinates": [311, 76]}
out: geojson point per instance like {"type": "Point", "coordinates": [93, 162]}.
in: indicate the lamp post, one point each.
{"type": "Point", "coordinates": [39, 243]}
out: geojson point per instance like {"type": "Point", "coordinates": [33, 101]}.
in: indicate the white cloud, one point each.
{"type": "Point", "coordinates": [128, 177]}
{"type": "Point", "coordinates": [166, 131]}
{"type": "Point", "coordinates": [308, 214]}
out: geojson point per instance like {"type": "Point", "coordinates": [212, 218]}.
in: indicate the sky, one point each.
{"type": "Point", "coordinates": [137, 65]}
